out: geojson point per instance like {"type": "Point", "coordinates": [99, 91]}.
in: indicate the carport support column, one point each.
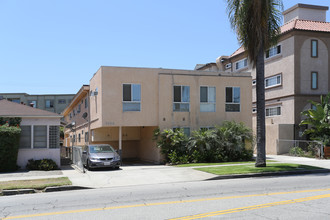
{"type": "Point", "coordinates": [120, 143]}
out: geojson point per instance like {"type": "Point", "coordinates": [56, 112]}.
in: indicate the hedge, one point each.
{"type": "Point", "coordinates": [16, 121]}
{"type": "Point", "coordinates": [9, 144]}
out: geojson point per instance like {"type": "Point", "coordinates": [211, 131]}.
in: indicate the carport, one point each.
{"type": "Point", "coordinates": [132, 142]}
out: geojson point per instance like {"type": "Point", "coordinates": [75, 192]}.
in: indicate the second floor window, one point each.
{"type": "Point", "coordinates": [233, 99]}
{"type": "Point", "coordinates": [273, 51]}
{"type": "Point", "coordinates": [181, 98]}
{"type": "Point", "coordinates": [273, 81]}
{"type": "Point", "coordinates": [314, 48]}
{"type": "Point", "coordinates": [86, 103]}
{"type": "Point", "coordinates": [207, 99]}
{"type": "Point", "coordinates": [131, 97]}
{"type": "Point", "coordinates": [241, 64]}
{"type": "Point", "coordinates": [49, 103]}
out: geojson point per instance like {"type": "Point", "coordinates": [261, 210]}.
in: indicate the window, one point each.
{"type": "Point", "coordinates": [79, 108]}
{"type": "Point", "coordinates": [86, 136]}
{"type": "Point", "coordinates": [314, 48]}
{"type": "Point", "coordinates": [61, 101]}
{"type": "Point", "coordinates": [40, 136]}
{"type": "Point", "coordinates": [207, 99]}
{"type": "Point", "coordinates": [186, 130]}
{"type": "Point", "coordinates": [131, 97]}
{"type": "Point", "coordinates": [49, 103]}
{"type": "Point", "coordinates": [314, 80]}
{"type": "Point", "coordinates": [273, 51]}
{"type": "Point", "coordinates": [54, 136]}
{"type": "Point", "coordinates": [241, 64]}
{"type": "Point", "coordinates": [233, 99]}
{"type": "Point", "coordinates": [206, 128]}
{"type": "Point", "coordinates": [25, 139]}
{"type": "Point", "coordinates": [86, 103]}
{"type": "Point", "coordinates": [70, 115]}
{"type": "Point", "coordinates": [15, 100]}
{"type": "Point", "coordinates": [313, 107]}
{"type": "Point", "coordinates": [181, 98]}
{"type": "Point", "coordinates": [273, 81]}
{"type": "Point", "coordinates": [273, 111]}
{"type": "Point", "coordinates": [79, 137]}
{"type": "Point", "coordinates": [33, 103]}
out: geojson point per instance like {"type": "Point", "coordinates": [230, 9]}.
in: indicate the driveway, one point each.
{"type": "Point", "coordinates": [135, 175]}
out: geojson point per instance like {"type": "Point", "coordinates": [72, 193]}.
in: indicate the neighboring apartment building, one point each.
{"type": "Point", "coordinates": [296, 70]}
{"type": "Point", "coordinates": [127, 104]}
{"type": "Point", "coordinates": [52, 103]}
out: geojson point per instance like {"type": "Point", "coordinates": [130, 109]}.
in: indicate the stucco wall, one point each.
{"type": "Point", "coordinates": [37, 154]}
{"type": "Point", "coordinates": [147, 146]}
{"type": "Point", "coordinates": [309, 64]}
{"type": "Point", "coordinates": [194, 118]}
{"type": "Point", "coordinates": [25, 154]}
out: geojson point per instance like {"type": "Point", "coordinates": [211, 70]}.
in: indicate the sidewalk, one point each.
{"type": "Point", "coordinates": [142, 175]}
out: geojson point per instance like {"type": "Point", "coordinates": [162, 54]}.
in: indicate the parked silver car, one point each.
{"type": "Point", "coordinates": [100, 155]}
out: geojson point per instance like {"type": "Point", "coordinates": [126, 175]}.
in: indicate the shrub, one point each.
{"type": "Point", "coordinates": [44, 164]}
{"type": "Point", "coordinates": [9, 143]}
{"type": "Point", "coordinates": [169, 141]}
{"type": "Point", "coordinates": [223, 144]}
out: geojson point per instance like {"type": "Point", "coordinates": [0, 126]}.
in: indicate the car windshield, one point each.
{"type": "Point", "coordinates": [101, 149]}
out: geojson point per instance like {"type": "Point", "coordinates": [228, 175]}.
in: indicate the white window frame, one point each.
{"type": "Point", "coordinates": [273, 51]}
{"type": "Point", "coordinates": [278, 79]}
{"type": "Point", "coordinates": [233, 99]}
{"type": "Point", "coordinates": [208, 102]}
{"type": "Point", "coordinates": [181, 103]}
{"type": "Point", "coordinates": [132, 95]}
{"type": "Point", "coordinates": [273, 111]}
{"type": "Point", "coordinates": [242, 62]}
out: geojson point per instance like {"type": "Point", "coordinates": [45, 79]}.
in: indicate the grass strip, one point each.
{"type": "Point", "coordinates": [250, 168]}
{"type": "Point", "coordinates": [222, 163]}
{"type": "Point", "coordinates": [38, 184]}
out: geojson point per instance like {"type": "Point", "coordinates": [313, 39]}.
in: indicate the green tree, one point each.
{"type": "Point", "coordinates": [318, 120]}
{"type": "Point", "coordinates": [257, 24]}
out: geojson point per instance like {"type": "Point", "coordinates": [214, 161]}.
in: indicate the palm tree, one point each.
{"type": "Point", "coordinates": [257, 24]}
{"type": "Point", "coordinates": [318, 119]}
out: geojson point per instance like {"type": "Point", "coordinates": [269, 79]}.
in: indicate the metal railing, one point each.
{"type": "Point", "coordinates": [300, 148]}
{"type": "Point", "coordinates": [77, 157]}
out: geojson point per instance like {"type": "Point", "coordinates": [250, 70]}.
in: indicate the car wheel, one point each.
{"type": "Point", "coordinates": [87, 166]}
{"type": "Point", "coordinates": [117, 168]}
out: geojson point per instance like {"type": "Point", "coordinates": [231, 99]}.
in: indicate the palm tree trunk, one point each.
{"type": "Point", "coordinates": [261, 128]}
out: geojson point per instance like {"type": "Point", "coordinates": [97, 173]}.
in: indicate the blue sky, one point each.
{"type": "Point", "coordinates": [55, 46]}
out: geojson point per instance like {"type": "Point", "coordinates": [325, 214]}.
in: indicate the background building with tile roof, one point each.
{"type": "Point", "coordinates": [296, 71]}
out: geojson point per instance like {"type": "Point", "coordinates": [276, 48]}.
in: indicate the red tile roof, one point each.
{"type": "Point", "coordinates": [12, 109]}
{"type": "Point", "coordinates": [298, 24]}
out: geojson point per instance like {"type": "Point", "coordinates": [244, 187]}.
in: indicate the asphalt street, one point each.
{"type": "Point", "coordinates": [286, 197]}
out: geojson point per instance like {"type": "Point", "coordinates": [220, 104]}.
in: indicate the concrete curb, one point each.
{"type": "Point", "coordinates": [282, 173]}
{"type": "Point", "coordinates": [47, 189]}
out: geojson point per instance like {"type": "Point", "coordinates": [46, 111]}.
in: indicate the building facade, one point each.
{"type": "Point", "coordinates": [53, 103]}
{"type": "Point", "coordinates": [126, 105]}
{"type": "Point", "coordinates": [296, 71]}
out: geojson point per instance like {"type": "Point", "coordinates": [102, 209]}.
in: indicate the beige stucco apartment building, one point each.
{"type": "Point", "coordinates": [296, 70]}
{"type": "Point", "coordinates": [123, 106]}
{"type": "Point", "coordinates": [50, 102]}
